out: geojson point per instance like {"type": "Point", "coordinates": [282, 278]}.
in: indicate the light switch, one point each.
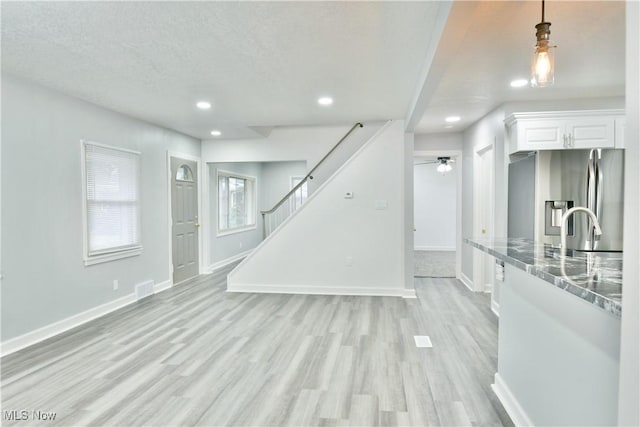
{"type": "Point", "coordinates": [381, 205]}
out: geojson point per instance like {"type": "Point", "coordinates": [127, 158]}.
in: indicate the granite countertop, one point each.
{"type": "Point", "coordinates": [593, 276]}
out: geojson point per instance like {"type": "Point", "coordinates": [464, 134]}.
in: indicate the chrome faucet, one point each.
{"type": "Point", "coordinates": [563, 224]}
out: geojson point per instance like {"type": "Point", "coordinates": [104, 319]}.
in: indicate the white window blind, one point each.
{"type": "Point", "coordinates": [112, 184]}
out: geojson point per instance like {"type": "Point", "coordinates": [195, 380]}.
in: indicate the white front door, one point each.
{"type": "Point", "coordinates": [184, 214]}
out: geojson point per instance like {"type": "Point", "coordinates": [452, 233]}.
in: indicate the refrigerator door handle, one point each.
{"type": "Point", "coordinates": [599, 189]}
{"type": "Point", "coordinates": [591, 195]}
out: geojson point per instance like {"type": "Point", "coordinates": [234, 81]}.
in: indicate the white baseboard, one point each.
{"type": "Point", "coordinates": [495, 307]}
{"type": "Point", "coordinates": [320, 290]}
{"type": "Point", "coordinates": [466, 281]}
{"type": "Point", "coordinates": [220, 264]}
{"type": "Point", "coordinates": [30, 338]}
{"type": "Point", "coordinates": [435, 248]}
{"type": "Point", "coordinates": [510, 403]}
{"type": "Point", "coordinates": [409, 293]}
{"type": "Point", "coordinates": [162, 286]}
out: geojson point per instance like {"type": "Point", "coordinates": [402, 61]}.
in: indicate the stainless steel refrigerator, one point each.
{"type": "Point", "coordinates": [593, 179]}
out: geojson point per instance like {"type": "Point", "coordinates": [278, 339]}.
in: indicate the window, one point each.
{"type": "Point", "coordinates": [184, 174]}
{"type": "Point", "coordinates": [298, 198]}
{"type": "Point", "coordinates": [236, 202]}
{"type": "Point", "coordinates": [111, 203]}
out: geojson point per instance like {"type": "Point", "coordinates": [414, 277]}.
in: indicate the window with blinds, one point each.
{"type": "Point", "coordinates": [112, 203]}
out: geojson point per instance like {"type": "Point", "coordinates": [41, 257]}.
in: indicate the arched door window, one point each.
{"type": "Point", "coordinates": [184, 174]}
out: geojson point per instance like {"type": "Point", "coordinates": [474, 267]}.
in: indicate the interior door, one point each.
{"type": "Point", "coordinates": [184, 214]}
{"type": "Point", "coordinates": [483, 200]}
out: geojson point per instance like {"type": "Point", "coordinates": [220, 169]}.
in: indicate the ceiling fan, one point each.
{"type": "Point", "coordinates": [444, 164]}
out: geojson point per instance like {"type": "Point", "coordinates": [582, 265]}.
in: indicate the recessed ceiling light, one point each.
{"type": "Point", "coordinates": [519, 83]}
{"type": "Point", "coordinates": [216, 133]}
{"type": "Point", "coordinates": [203, 105]}
{"type": "Point", "coordinates": [325, 100]}
{"type": "Point", "coordinates": [452, 119]}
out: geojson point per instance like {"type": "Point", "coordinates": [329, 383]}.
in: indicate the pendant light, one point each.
{"type": "Point", "coordinates": [542, 62]}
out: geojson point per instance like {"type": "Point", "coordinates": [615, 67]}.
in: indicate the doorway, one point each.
{"type": "Point", "coordinates": [437, 214]}
{"type": "Point", "coordinates": [483, 226]}
{"type": "Point", "coordinates": [184, 219]}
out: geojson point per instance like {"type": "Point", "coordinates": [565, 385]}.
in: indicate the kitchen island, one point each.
{"type": "Point", "coordinates": [559, 336]}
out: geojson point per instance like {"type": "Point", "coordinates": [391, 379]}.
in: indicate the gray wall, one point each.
{"type": "Point", "coordinates": [273, 180]}
{"type": "Point", "coordinates": [45, 279]}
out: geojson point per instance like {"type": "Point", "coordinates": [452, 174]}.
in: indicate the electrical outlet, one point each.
{"type": "Point", "coordinates": [115, 285]}
{"type": "Point", "coordinates": [348, 261]}
{"type": "Point", "coordinates": [240, 245]}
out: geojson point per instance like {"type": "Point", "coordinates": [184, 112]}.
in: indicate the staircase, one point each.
{"type": "Point", "coordinates": [349, 237]}
{"type": "Point", "coordinates": [274, 217]}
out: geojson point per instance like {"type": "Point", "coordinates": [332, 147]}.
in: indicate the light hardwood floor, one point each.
{"type": "Point", "coordinates": [196, 355]}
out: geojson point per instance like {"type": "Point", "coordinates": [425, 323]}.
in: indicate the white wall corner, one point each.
{"type": "Point", "coordinates": [510, 403]}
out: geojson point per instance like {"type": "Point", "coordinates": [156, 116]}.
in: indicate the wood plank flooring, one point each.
{"type": "Point", "coordinates": [196, 355]}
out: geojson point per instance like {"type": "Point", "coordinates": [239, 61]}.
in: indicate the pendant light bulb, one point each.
{"type": "Point", "coordinates": [542, 62]}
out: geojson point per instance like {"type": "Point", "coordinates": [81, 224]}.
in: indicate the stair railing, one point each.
{"type": "Point", "coordinates": [277, 215]}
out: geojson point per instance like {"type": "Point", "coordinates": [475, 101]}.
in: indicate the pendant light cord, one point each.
{"type": "Point", "coordinates": [542, 11]}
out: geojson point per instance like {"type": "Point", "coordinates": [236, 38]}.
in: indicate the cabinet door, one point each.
{"type": "Point", "coordinates": [541, 135]}
{"type": "Point", "coordinates": [591, 132]}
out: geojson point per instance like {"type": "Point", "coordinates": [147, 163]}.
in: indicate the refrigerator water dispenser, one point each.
{"type": "Point", "coordinates": [553, 212]}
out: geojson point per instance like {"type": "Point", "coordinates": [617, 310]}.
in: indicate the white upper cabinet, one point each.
{"type": "Point", "coordinates": [560, 130]}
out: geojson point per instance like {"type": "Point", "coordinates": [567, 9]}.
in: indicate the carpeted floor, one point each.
{"type": "Point", "coordinates": [434, 264]}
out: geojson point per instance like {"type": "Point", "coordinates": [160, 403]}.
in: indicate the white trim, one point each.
{"type": "Point", "coordinates": [495, 307]}
{"type": "Point", "coordinates": [162, 286]}
{"type": "Point", "coordinates": [466, 281]}
{"type": "Point", "coordinates": [236, 230]}
{"type": "Point", "coordinates": [488, 196]}
{"type": "Point", "coordinates": [221, 264]}
{"type": "Point", "coordinates": [110, 147]}
{"type": "Point", "coordinates": [435, 248]}
{"type": "Point", "coordinates": [254, 196]}
{"type": "Point", "coordinates": [110, 254]}
{"type": "Point", "coordinates": [321, 290]}
{"type": "Point", "coordinates": [30, 338]}
{"type": "Point", "coordinates": [537, 115]}
{"type": "Point", "coordinates": [202, 219]}
{"type": "Point", "coordinates": [409, 294]}
{"type": "Point", "coordinates": [510, 403]}
{"type": "Point", "coordinates": [97, 259]}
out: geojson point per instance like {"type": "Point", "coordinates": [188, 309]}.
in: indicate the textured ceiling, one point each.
{"type": "Point", "coordinates": [486, 44]}
{"type": "Point", "coordinates": [261, 64]}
